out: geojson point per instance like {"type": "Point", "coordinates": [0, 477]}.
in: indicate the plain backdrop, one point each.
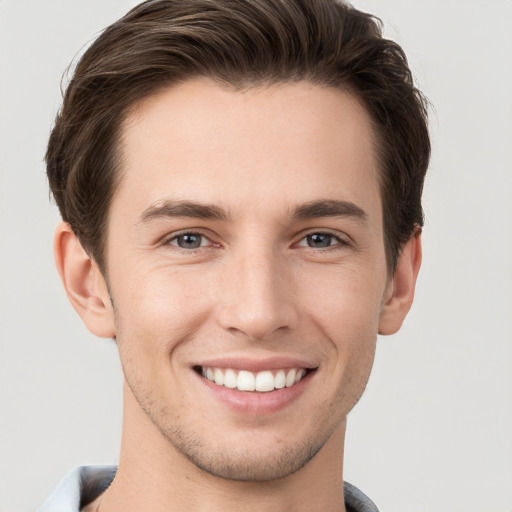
{"type": "Point", "coordinates": [433, 431]}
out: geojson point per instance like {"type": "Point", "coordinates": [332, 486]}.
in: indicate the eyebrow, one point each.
{"type": "Point", "coordinates": [183, 209]}
{"type": "Point", "coordinates": [329, 208]}
{"type": "Point", "coordinates": [310, 210]}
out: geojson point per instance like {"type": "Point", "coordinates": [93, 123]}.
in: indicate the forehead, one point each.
{"type": "Point", "coordinates": [205, 142]}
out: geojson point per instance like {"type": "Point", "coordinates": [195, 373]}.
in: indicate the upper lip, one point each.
{"type": "Point", "coordinates": [257, 365]}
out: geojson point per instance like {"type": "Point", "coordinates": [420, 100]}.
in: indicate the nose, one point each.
{"type": "Point", "coordinates": [256, 296]}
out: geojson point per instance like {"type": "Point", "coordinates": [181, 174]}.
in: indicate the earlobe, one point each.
{"type": "Point", "coordinates": [84, 284]}
{"type": "Point", "coordinates": [401, 293]}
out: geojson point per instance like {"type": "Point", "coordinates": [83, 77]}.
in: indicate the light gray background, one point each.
{"type": "Point", "coordinates": [434, 429]}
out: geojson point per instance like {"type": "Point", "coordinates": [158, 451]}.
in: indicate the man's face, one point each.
{"type": "Point", "coordinates": [245, 248]}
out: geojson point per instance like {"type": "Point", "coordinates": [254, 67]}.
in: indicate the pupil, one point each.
{"type": "Point", "coordinates": [189, 241]}
{"type": "Point", "coordinates": [319, 240]}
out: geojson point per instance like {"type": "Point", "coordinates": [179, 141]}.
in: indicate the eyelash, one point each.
{"type": "Point", "coordinates": [339, 241]}
{"type": "Point", "coordinates": [203, 237]}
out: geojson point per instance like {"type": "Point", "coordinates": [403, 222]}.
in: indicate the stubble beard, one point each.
{"type": "Point", "coordinates": [244, 465]}
{"type": "Point", "coordinates": [232, 461]}
{"type": "Point", "coordinates": [235, 462]}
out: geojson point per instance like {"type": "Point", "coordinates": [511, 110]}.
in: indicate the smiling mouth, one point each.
{"type": "Point", "coordinates": [243, 380]}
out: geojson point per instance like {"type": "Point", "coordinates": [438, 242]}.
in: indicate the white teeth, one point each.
{"type": "Point", "coordinates": [219, 376]}
{"type": "Point", "coordinates": [248, 381]}
{"type": "Point", "coordinates": [280, 379]}
{"type": "Point", "coordinates": [264, 381]}
{"type": "Point", "coordinates": [290, 378]}
{"type": "Point", "coordinates": [230, 379]}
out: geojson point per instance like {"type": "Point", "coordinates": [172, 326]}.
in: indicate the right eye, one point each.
{"type": "Point", "coordinates": [189, 241]}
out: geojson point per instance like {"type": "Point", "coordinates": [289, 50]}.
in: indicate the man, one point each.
{"type": "Point", "coordinates": [240, 186]}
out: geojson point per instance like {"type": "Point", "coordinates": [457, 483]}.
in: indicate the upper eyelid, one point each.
{"type": "Point", "coordinates": [338, 241]}
{"type": "Point", "coordinates": [343, 237]}
{"type": "Point", "coordinates": [187, 232]}
{"type": "Point", "coordinates": [193, 231]}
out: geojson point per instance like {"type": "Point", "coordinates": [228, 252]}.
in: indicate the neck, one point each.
{"type": "Point", "coordinates": [154, 476]}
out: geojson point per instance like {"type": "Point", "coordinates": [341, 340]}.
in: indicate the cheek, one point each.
{"type": "Point", "coordinates": [349, 320]}
{"type": "Point", "coordinates": [345, 302]}
{"type": "Point", "coordinates": [157, 309]}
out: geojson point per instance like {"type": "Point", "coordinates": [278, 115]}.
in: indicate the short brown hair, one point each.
{"type": "Point", "coordinates": [243, 43]}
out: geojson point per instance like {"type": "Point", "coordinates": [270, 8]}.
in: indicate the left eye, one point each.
{"type": "Point", "coordinates": [319, 240]}
{"type": "Point", "coordinates": [189, 241]}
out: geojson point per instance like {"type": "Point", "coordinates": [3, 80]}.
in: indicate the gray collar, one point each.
{"type": "Point", "coordinates": [86, 483]}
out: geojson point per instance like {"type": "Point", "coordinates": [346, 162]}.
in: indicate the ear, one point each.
{"type": "Point", "coordinates": [400, 292]}
{"type": "Point", "coordinates": [84, 283]}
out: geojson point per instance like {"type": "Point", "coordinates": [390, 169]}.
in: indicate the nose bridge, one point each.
{"type": "Point", "coordinates": [258, 297]}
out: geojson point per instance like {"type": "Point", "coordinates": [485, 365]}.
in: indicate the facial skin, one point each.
{"type": "Point", "coordinates": [246, 234]}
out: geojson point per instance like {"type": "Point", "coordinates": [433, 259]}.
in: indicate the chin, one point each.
{"type": "Point", "coordinates": [252, 464]}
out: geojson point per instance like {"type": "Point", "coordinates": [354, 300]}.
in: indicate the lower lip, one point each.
{"type": "Point", "coordinates": [254, 402]}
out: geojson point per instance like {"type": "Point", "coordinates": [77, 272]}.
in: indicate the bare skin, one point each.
{"type": "Point", "coordinates": [246, 235]}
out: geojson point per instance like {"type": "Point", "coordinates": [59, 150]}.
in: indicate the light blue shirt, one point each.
{"type": "Point", "coordinates": [86, 483]}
